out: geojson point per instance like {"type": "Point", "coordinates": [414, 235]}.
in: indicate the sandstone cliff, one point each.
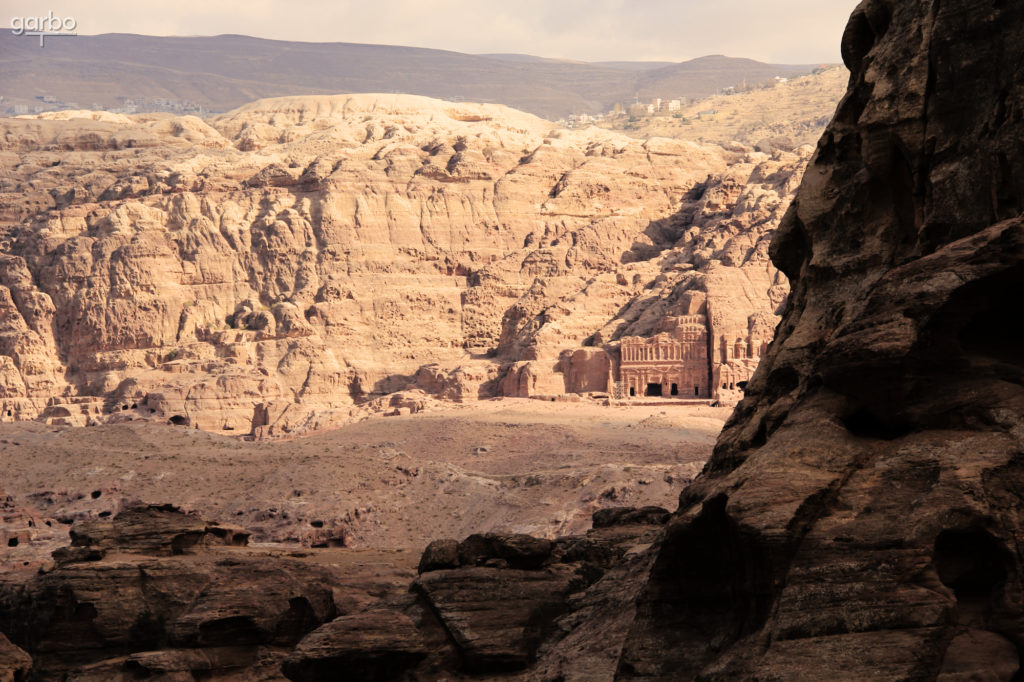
{"type": "Point", "coordinates": [861, 515]}
{"type": "Point", "coordinates": [274, 269]}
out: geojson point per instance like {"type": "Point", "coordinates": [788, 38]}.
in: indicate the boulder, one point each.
{"type": "Point", "coordinates": [496, 617]}
{"type": "Point", "coordinates": [154, 529]}
{"type": "Point", "coordinates": [623, 516]}
{"type": "Point", "coordinates": [440, 554]}
{"type": "Point", "coordinates": [373, 646]}
{"type": "Point", "coordinates": [517, 550]}
{"type": "Point", "coordinates": [134, 594]}
{"type": "Point", "coordinates": [522, 551]}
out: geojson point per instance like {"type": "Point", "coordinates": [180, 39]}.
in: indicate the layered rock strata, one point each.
{"type": "Point", "coordinates": [498, 607]}
{"type": "Point", "coordinates": [277, 268]}
{"type": "Point", "coordinates": [159, 593]}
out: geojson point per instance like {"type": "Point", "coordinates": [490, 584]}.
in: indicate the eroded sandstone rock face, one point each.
{"type": "Point", "coordinates": [861, 515]}
{"type": "Point", "coordinates": [274, 269]}
{"type": "Point", "coordinates": [375, 646]}
{"type": "Point", "coordinates": [498, 607]}
{"type": "Point", "coordinates": [710, 260]}
{"type": "Point", "coordinates": [27, 537]}
{"type": "Point", "coordinates": [161, 593]}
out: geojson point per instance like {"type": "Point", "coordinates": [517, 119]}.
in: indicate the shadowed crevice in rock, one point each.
{"type": "Point", "coordinates": [711, 582]}
{"type": "Point", "coordinates": [975, 318]}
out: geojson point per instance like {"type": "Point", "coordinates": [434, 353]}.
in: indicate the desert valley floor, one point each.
{"type": "Point", "coordinates": [506, 465]}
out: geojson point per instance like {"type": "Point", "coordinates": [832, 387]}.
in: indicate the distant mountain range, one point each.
{"type": "Point", "coordinates": [219, 73]}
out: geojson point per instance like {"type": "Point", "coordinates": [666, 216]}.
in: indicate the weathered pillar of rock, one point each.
{"type": "Point", "coordinates": [861, 517]}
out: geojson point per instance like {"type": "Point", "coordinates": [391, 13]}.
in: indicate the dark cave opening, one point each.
{"type": "Point", "coordinates": [864, 423]}
{"type": "Point", "coordinates": [994, 303]}
{"type": "Point", "coordinates": [971, 562]}
{"type": "Point", "coordinates": [230, 631]}
{"type": "Point", "coordinates": [299, 619]}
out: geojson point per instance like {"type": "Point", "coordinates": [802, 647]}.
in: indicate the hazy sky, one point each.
{"type": "Point", "coordinates": [793, 31]}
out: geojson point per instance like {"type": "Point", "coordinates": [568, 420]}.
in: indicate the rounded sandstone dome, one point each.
{"type": "Point", "coordinates": [409, 111]}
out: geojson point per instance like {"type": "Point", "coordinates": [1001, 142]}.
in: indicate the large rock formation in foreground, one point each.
{"type": "Point", "coordinates": [280, 267]}
{"type": "Point", "coordinates": [861, 515]}
{"type": "Point", "coordinates": [158, 593]}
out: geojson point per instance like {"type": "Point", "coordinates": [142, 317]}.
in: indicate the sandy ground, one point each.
{"type": "Point", "coordinates": [388, 483]}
